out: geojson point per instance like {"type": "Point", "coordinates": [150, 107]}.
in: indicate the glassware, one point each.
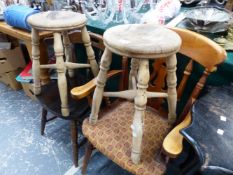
{"type": "Point", "coordinates": [58, 4]}
{"type": "Point", "coordinates": [98, 10]}
{"type": "Point", "coordinates": [135, 9]}
{"type": "Point", "coordinates": [208, 19]}
{"type": "Point", "coordinates": [116, 11]}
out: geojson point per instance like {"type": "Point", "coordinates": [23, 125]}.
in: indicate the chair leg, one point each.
{"type": "Point", "coordinates": [43, 121]}
{"type": "Point", "coordinates": [74, 140]}
{"type": "Point", "coordinates": [87, 157]}
{"type": "Point", "coordinates": [162, 158]}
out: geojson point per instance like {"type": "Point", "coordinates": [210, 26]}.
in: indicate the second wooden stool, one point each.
{"type": "Point", "coordinates": [60, 23]}
{"type": "Point", "coordinates": [141, 42]}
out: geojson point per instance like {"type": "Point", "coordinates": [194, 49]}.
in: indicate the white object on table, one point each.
{"type": "Point", "coordinates": [164, 10]}
{"type": "Point", "coordinates": [2, 7]}
{"type": "Point", "coordinates": [176, 20]}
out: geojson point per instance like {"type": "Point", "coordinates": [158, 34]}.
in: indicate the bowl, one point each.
{"type": "Point", "coordinates": [212, 19]}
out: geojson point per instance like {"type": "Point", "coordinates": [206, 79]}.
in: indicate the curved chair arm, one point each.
{"type": "Point", "coordinates": [84, 90]}
{"type": "Point", "coordinates": [173, 142]}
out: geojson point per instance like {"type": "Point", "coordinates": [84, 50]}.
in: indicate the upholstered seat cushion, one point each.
{"type": "Point", "coordinates": [112, 136]}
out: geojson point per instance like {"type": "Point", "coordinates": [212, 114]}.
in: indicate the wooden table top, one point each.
{"type": "Point", "coordinates": [210, 132]}
{"type": "Point", "coordinates": [18, 33]}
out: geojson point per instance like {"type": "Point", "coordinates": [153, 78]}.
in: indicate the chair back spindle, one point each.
{"type": "Point", "coordinates": [200, 50]}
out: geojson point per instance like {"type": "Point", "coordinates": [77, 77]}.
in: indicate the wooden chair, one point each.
{"type": "Point", "coordinates": [200, 50]}
{"type": "Point", "coordinates": [206, 53]}
{"type": "Point", "coordinates": [120, 114]}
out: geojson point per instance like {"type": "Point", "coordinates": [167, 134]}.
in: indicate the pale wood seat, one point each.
{"type": "Point", "coordinates": [140, 144]}
{"type": "Point", "coordinates": [142, 41]}
{"type": "Point", "coordinates": [51, 20]}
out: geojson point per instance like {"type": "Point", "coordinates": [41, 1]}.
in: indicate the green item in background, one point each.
{"type": "Point", "coordinates": [223, 75]}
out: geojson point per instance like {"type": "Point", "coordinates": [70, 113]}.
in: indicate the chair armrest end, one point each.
{"type": "Point", "coordinates": [173, 142]}
{"type": "Point", "coordinates": [85, 90]}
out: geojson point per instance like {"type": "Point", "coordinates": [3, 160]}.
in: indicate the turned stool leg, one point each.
{"type": "Point", "coordinates": [140, 105]}
{"type": "Point", "coordinates": [90, 53]}
{"type": "Point", "coordinates": [171, 83]}
{"type": "Point", "coordinates": [101, 80]}
{"type": "Point", "coordinates": [68, 51]}
{"type": "Point", "coordinates": [133, 72]}
{"type": "Point", "coordinates": [36, 61]}
{"type": "Point", "coordinates": [61, 71]}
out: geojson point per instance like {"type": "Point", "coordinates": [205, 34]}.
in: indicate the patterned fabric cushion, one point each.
{"type": "Point", "coordinates": [112, 136]}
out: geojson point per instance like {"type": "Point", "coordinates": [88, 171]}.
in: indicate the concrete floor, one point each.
{"type": "Point", "coordinates": [23, 151]}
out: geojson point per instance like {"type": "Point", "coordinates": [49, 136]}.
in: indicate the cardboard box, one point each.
{"type": "Point", "coordinates": [3, 37]}
{"type": "Point", "coordinates": [11, 60]}
{"type": "Point", "coordinates": [8, 78]}
{"type": "Point", "coordinates": [28, 88]}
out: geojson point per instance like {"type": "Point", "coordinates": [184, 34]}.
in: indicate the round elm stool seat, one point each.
{"type": "Point", "coordinates": [60, 23]}
{"type": "Point", "coordinates": [141, 42]}
{"type": "Point", "coordinates": [57, 20]}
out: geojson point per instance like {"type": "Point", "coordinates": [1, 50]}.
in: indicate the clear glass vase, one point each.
{"type": "Point", "coordinates": [135, 9]}
{"type": "Point", "coordinates": [116, 11]}
{"type": "Point", "coordinates": [99, 10]}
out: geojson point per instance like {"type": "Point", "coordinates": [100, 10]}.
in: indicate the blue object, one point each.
{"type": "Point", "coordinates": [16, 16]}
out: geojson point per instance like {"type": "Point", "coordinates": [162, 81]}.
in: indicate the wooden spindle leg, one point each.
{"type": "Point", "coordinates": [74, 140]}
{"type": "Point", "coordinates": [133, 71]}
{"type": "Point", "coordinates": [43, 120]}
{"type": "Point", "coordinates": [90, 53]}
{"type": "Point", "coordinates": [140, 105]}
{"type": "Point", "coordinates": [61, 71]}
{"type": "Point", "coordinates": [87, 157]}
{"type": "Point", "coordinates": [101, 80]}
{"type": "Point", "coordinates": [195, 93]}
{"type": "Point", "coordinates": [68, 51]}
{"type": "Point", "coordinates": [171, 83]}
{"type": "Point", "coordinates": [36, 61]}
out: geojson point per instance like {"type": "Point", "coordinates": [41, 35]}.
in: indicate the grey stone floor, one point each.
{"type": "Point", "coordinates": [23, 151]}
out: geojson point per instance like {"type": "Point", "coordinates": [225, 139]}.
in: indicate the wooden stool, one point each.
{"type": "Point", "coordinates": [141, 42]}
{"type": "Point", "coordinates": [60, 23]}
